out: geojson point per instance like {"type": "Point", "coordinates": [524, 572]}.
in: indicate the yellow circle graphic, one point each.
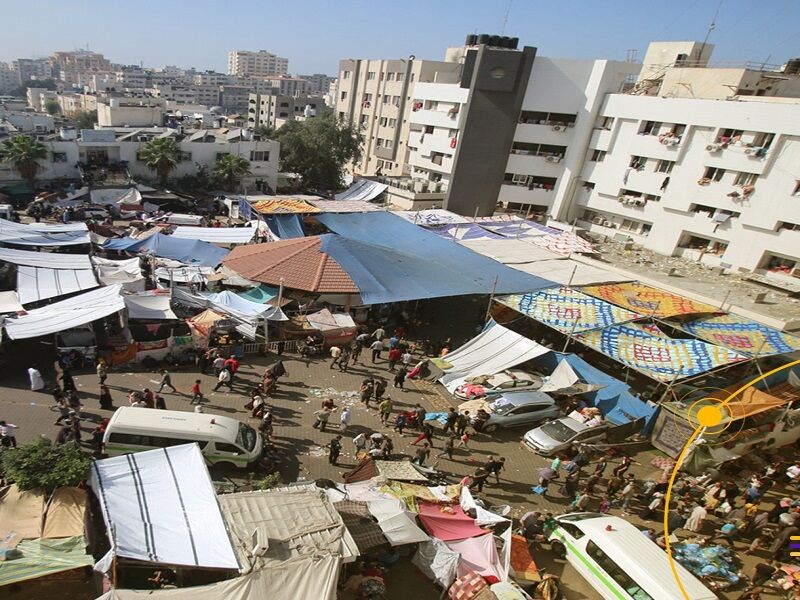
{"type": "Point", "coordinates": [709, 416]}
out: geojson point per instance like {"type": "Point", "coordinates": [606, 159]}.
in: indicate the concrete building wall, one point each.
{"type": "Point", "coordinates": [245, 63]}
{"type": "Point", "coordinates": [131, 116]}
{"type": "Point", "coordinates": [713, 181]}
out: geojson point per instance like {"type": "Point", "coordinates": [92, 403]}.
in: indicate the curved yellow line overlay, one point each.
{"type": "Point", "coordinates": [679, 462]}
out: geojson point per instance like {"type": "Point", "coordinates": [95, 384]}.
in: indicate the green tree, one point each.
{"type": "Point", "coordinates": [318, 149]}
{"type": "Point", "coordinates": [266, 132]}
{"type": "Point", "coordinates": [22, 91]}
{"type": "Point", "coordinates": [161, 156]}
{"type": "Point", "coordinates": [24, 153]}
{"type": "Point", "coordinates": [85, 119]}
{"type": "Point", "coordinates": [52, 107]}
{"type": "Point", "coordinates": [229, 170]}
{"type": "Point", "coordinates": [42, 464]}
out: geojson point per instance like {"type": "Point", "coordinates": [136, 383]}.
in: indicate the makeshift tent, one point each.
{"type": "Point", "coordinates": [204, 321]}
{"type": "Point", "coordinates": [410, 494]}
{"type": "Point", "coordinates": [567, 310]}
{"type": "Point", "coordinates": [363, 189]}
{"type": "Point", "coordinates": [285, 227]}
{"type": "Point", "coordinates": [436, 560]}
{"type": "Point", "coordinates": [231, 304]}
{"type": "Point", "coordinates": [301, 577]}
{"type": "Point", "coordinates": [159, 506]}
{"type": "Point", "coordinates": [398, 527]}
{"type": "Point", "coordinates": [78, 310]}
{"type": "Point", "coordinates": [298, 264]}
{"type": "Point", "coordinates": [650, 352]}
{"type": "Point", "coordinates": [519, 228]}
{"type": "Point", "coordinates": [742, 335]}
{"type": "Point", "coordinates": [325, 320]}
{"type": "Point", "coordinates": [360, 524]}
{"type": "Point", "coordinates": [21, 512]}
{"type": "Point", "coordinates": [190, 252]}
{"type": "Point", "coordinates": [344, 206]}
{"type": "Point", "coordinates": [9, 302]}
{"type": "Point", "coordinates": [103, 196]}
{"type": "Point", "coordinates": [149, 307]}
{"type": "Point", "coordinates": [41, 234]}
{"type": "Point", "coordinates": [565, 243]}
{"type": "Point", "coordinates": [261, 294]}
{"type": "Point", "coordinates": [39, 558]}
{"type": "Point", "coordinates": [494, 349]}
{"type": "Point", "coordinates": [570, 272]}
{"type": "Point", "coordinates": [467, 231]}
{"type": "Point", "coordinates": [478, 554]}
{"type": "Point", "coordinates": [510, 252]}
{"type": "Point", "coordinates": [35, 283]}
{"type": "Point", "coordinates": [166, 275]}
{"type": "Point", "coordinates": [127, 273]}
{"type": "Point", "coordinates": [431, 217]}
{"type": "Point", "coordinates": [399, 470]}
{"type": "Point", "coordinates": [563, 376]}
{"type": "Point", "coordinates": [283, 205]}
{"type": "Point", "coordinates": [216, 235]}
{"type": "Point", "coordinates": [447, 522]}
{"type": "Point", "coordinates": [648, 300]}
{"type": "Point", "coordinates": [46, 260]}
{"type": "Point", "coordinates": [66, 513]}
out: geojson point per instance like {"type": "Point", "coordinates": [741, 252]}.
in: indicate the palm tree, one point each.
{"type": "Point", "coordinates": [229, 170]}
{"type": "Point", "coordinates": [161, 156]}
{"type": "Point", "coordinates": [24, 153]}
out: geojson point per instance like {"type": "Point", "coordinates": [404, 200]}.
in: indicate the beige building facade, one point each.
{"type": "Point", "coordinates": [246, 63]}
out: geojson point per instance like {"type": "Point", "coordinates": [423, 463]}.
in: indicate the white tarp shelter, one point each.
{"type": "Point", "coordinates": [216, 235]}
{"type": "Point", "coordinates": [150, 307]}
{"type": "Point", "coordinates": [494, 349]}
{"type": "Point", "coordinates": [9, 302]}
{"type": "Point", "coordinates": [115, 196]}
{"type": "Point", "coordinates": [159, 506]}
{"type": "Point", "coordinates": [45, 260]}
{"type": "Point", "coordinates": [230, 304]}
{"type": "Point", "coordinates": [563, 376]}
{"type": "Point", "coordinates": [41, 234]}
{"type": "Point", "coordinates": [127, 273]}
{"type": "Point", "coordinates": [325, 320]}
{"type": "Point", "coordinates": [34, 283]}
{"type": "Point", "coordinates": [570, 272]}
{"type": "Point", "coordinates": [78, 310]}
{"type": "Point", "coordinates": [511, 252]}
{"type": "Point", "coordinates": [364, 189]}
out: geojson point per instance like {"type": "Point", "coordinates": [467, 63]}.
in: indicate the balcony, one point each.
{"type": "Point", "coordinates": [522, 195]}
{"type": "Point", "coordinates": [654, 146]}
{"type": "Point", "coordinates": [519, 162]}
{"type": "Point", "coordinates": [736, 158]}
{"type": "Point", "coordinates": [601, 139]}
{"type": "Point", "coordinates": [437, 118]}
{"type": "Point", "coordinates": [556, 135]}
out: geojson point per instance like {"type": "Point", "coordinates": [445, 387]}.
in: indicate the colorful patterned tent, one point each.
{"type": "Point", "coordinates": [568, 310]}
{"type": "Point", "coordinates": [648, 350]}
{"type": "Point", "coordinates": [465, 231]}
{"type": "Point", "coordinates": [519, 228]}
{"type": "Point", "coordinates": [564, 243]}
{"type": "Point", "coordinates": [743, 335]}
{"type": "Point", "coordinates": [648, 300]}
{"type": "Point", "coordinates": [283, 205]}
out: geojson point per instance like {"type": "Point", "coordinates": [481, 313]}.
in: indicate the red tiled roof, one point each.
{"type": "Point", "coordinates": [300, 262]}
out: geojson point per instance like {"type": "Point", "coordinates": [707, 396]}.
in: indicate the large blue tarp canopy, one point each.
{"type": "Point", "coordinates": [615, 400]}
{"type": "Point", "coordinates": [391, 260]}
{"type": "Point", "coordinates": [190, 252]}
{"type": "Point", "coordinates": [285, 227]}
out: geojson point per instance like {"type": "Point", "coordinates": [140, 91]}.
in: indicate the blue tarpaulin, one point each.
{"type": "Point", "coordinates": [262, 293]}
{"type": "Point", "coordinates": [285, 227]}
{"type": "Point", "coordinates": [391, 260]}
{"type": "Point", "coordinates": [190, 252]}
{"type": "Point", "coordinates": [616, 401]}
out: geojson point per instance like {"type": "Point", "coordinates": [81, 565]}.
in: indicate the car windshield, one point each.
{"type": "Point", "coordinates": [501, 407]}
{"type": "Point", "coordinates": [76, 337]}
{"type": "Point", "coordinates": [558, 431]}
{"type": "Point", "coordinates": [246, 438]}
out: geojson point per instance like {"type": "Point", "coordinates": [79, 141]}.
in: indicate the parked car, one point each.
{"type": "Point", "coordinates": [556, 436]}
{"type": "Point", "coordinates": [77, 346]}
{"type": "Point", "coordinates": [493, 385]}
{"type": "Point", "coordinates": [513, 409]}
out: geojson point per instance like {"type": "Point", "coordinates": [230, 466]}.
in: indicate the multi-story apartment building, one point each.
{"type": "Point", "coordinates": [318, 83]}
{"type": "Point", "coordinates": [71, 65]}
{"type": "Point", "coordinates": [213, 78]}
{"type": "Point", "coordinates": [8, 78]}
{"type": "Point", "coordinates": [273, 110]}
{"type": "Point", "coordinates": [376, 95]}
{"type": "Point", "coordinates": [245, 63]}
{"type": "Point", "coordinates": [34, 68]}
{"type": "Point", "coordinates": [288, 86]}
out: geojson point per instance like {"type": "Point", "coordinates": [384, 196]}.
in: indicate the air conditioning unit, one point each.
{"type": "Point", "coordinates": [553, 159]}
{"type": "Point", "coordinates": [671, 141]}
{"type": "Point", "coordinates": [597, 220]}
{"type": "Point", "coordinates": [558, 128]}
{"type": "Point", "coordinates": [639, 202]}
{"type": "Point", "coordinates": [713, 147]}
{"type": "Point", "coordinates": [750, 151]}
{"type": "Point", "coordinates": [622, 199]}
{"type": "Point", "coordinates": [606, 223]}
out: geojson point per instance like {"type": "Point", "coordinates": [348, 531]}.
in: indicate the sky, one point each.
{"type": "Point", "coordinates": [314, 35]}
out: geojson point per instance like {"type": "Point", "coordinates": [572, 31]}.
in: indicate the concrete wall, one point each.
{"type": "Point", "coordinates": [133, 116]}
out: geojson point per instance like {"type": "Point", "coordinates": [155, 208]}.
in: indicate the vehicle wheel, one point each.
{"type": "Point", "coordinates": [490, 428]}
{"type": "Point", "coordinates": [558, 549]}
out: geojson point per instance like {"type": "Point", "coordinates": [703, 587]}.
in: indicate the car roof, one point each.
{"type": "Point", "coordinates": [576, 426]}
{"type": "Point", "coordinates": [160, 421]}
{"type": "Point", "coordinates": [525, 397]}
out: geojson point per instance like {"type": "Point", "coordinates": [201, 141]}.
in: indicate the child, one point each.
{"type": "Point", "coordinates": [197, 395]}
{"type": "Point", "coordinates": [448, 447]}
{"type": "Point", "coordinates": [464, 440]}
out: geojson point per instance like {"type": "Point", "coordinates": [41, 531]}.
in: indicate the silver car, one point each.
{"type": "Point", "coordinates": [557, 436]}
{"type": "Point", "coordinates": [513, 409]}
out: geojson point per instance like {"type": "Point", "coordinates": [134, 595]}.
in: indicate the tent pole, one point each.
{"type": "Point", "coordinates": [569, 337]}
{"type": "Point", "coordinates": [724, 300]}
{"type": "Point", "coordinates": [571, 277]}
{"type": "Point", "coordinates": [491, 299]}
{"type": "Point", "coordinates": [670, 384]}
{"type": "Point", "coordinates": [455, 233]}
{"type": "Point", "coordinates": [528, 214]}
{"type": "Point", "coordinates": [280, 292]}
{"type": "Point", "coordinates": [758, 366]}
{"type": "Point", "coordinates": [475, 218]}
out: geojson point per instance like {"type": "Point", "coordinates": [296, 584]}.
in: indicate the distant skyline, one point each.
{"type": "Point", "coordinates": [314, 35]}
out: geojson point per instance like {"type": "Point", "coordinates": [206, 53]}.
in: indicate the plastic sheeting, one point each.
{"type": "Point", "coordinates": [325, 320]}
{"type": "Point", "coordinates": [364, 189]}
{"type": "Point", "coordinates": [447, 523]}
{"type": "Point", "coordinates": [344, 206]}
{"type": "Point", "coordinates": [159, 506]}
{"type": "Point", "coordinates": [570, 272]}
{"type": "Point", "coordinates": [66, 512]}
{"type": "Point", "coordinates": [437, 561]}
{"type": "Point", "coordinates": [261, 294]}
{"type": "Point", "coordinates": [45, 260]}
{"type": "Point", "coordinates": [34, 283]}
{"type": "Point", "coordinates": [21, 512]}
{"type": "Point", "coordinates": [466, 231]}
{"type": "Point", "coordinates": [478, 554]}
{"type": "Point", "coordinates": [510, 252]}
{"type": "Point", "coordinates": [431, 217]}
{"type": "Point", "coordinates": [149, 307]}
{"type": "Point", "coordinates": [648, 300]}
{"type": "Point", "coordinates": [127, 273]}
{"type": "Point", "coordinates": [285, 227]}
{"type": "Point", "coordinates": [190, 252]}
{"type": "Point", "coordinates": [9, 302]}
{"type": "Point", "coordinates": [78, 310]}
{"type": "Point", "coordinates": [41, 234]}
{"type": "Point", "coordinates": [216, 235]}
{"type": "Point", "coordinates": [44, 557]}
{"type": "Point", "coordinates": [397, 525]}
{"type": "Point", "coordinates": [232, 304]}
{"type": "Point", "coordinates": [494, 349]}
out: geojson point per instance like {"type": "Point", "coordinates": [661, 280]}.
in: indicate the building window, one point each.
{"type": "Point", "coordinates": [745, 179]}
{"type": "Point", "coordinates": [345, 74]}
{"type": "Point", "coordinates": [384, 121]}
{"type": "Point", "coordinates": [392, 122]}
{"type": "Point", "coordinates": [518, 179]}
{"type": "Point", "coordinates": [650, 128]}
{"type": "Point", "coordinates": [388, 144]}
{"type": "Point", "coordinates": [390, 77]}
{"type": "Point", "coordinates": [370, 75]}
{"type": "Point", "coordinates": [714, 174]}
{"type": "Point", "coordinates": [387, 98]}
{"type": "Point", "coordinates": [638, 163]}
{"type": "Point", "coordinates": [367, 98]}
{"type": "Point", "coordinates": [598, 156]}
{"type": "Point", "coordinates": [58, 157]}
{"type": "Point", "coordinates": [401, 77]}
{"type": "Point", "coordinates": [363, 119]}
{"type": "Point", "coordinates": [343, 96]}
{"type": "Point", "coordinates": [645, 231]}
{"type": "Point", "coordinates": [665, 166]}
{"type": "Point", "coordinates": [788, 226]}
{"type": "Point", "coordinates": [259, 155]}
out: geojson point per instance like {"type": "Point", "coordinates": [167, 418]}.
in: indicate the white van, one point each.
{"type": "Point", "coordinates": [619, 561]}
{"type": "Point", "coordinates": [221, 439]}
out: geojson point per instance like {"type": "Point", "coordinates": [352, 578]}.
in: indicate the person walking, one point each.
{"type": "Point", "coordinates": [421, 455]}
{"type": "Point", "coordinates": [105, 398]}
{"type": "Point", "coordinates": [426, 434]}
{"type": "Point", "coordinates": [336, 354]}
{"type": "Point", "coordinates": [495, 466]}
{"type": "Point", "coordinates": [463, 441]}
{"type": "Point", "coordinates": [366, 390]}
{"type": "Point", "coordinates": [420, 415]}
{"type": "Point", "coordinates": [628, 492]}
{"type": "Point", "coordinates": [232, 364]}
{"type": "Point", "coordinates": [449, 444]}
{"type": "Point", "coordinates": [380, 389]}
{"type": "Point", "coordinates": [572, 483]}
{"type": "Point", "coordinates": [335, 449]}
{"type": "Point", "coordinates": [360, 442]}
{"type": "Point", "coordinates": [461, 423]}
{"type": "Point", "coordinates": [323, 415]}
{"type": "Point", "coordinates": [623, 466]}
{"type": "Point", "coordinates": [197, 395]}
{"type": "Point", "coordinates": [400, 422]}
{"type": "Point", "coordinates": [377, 348]}
{"type": "Point", "coordinates": [379, 334]}
{"type": "Point", "coordinates": [344, 419]}
{"type": "Point", "coordinates": [450, 420]}
{"type": "Point", "coordinates": [406, 358]}
{"type": "Point", "coordinates": [67, 382]}
{"type": "Point", "coordinates": [355, 350]}
{"type": "Point", "coordinates": [344, 359]}
{"type": "Point", "coordinates": [479, 479]}
{"type": "Point", "coordinates": [400, 377]}
{"type": "Point", "coordinates": [224, 378]}
{"type": "Point", "coordinates": [393, 357]}
{"type": "Point", "coordinates": [166, 381]}
{"type": "Point", "coordinates": [7, 437]}
{"type": "Point", "coordinates": [696, 519]}
{"type": "Point", "coordinates": [36, 379]}
{"type": "Point", "coordinates": [385, 410]}
{"type": "Point", "coordinates": [102, 371]}
{"type": "Point", "coordinates": [217, 364]}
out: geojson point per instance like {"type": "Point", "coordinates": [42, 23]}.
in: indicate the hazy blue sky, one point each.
{"type": "Point", "coordinates": [315, 35]}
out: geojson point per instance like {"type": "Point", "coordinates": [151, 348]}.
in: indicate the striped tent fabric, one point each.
{"type": "Point", "coordinates": [568, 310]}
{"type": "Point", "coordinates": [648, 300]}
{"type": "Point", "coordinates": [743, 335]}
{"type": "Point", "coordinates": [648, 350]}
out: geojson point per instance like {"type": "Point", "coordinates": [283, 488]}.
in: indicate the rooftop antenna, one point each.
{"type": "Point", "coordinates": [711, 28]}
{"type": "Point", "coordinates": [505, 18]}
